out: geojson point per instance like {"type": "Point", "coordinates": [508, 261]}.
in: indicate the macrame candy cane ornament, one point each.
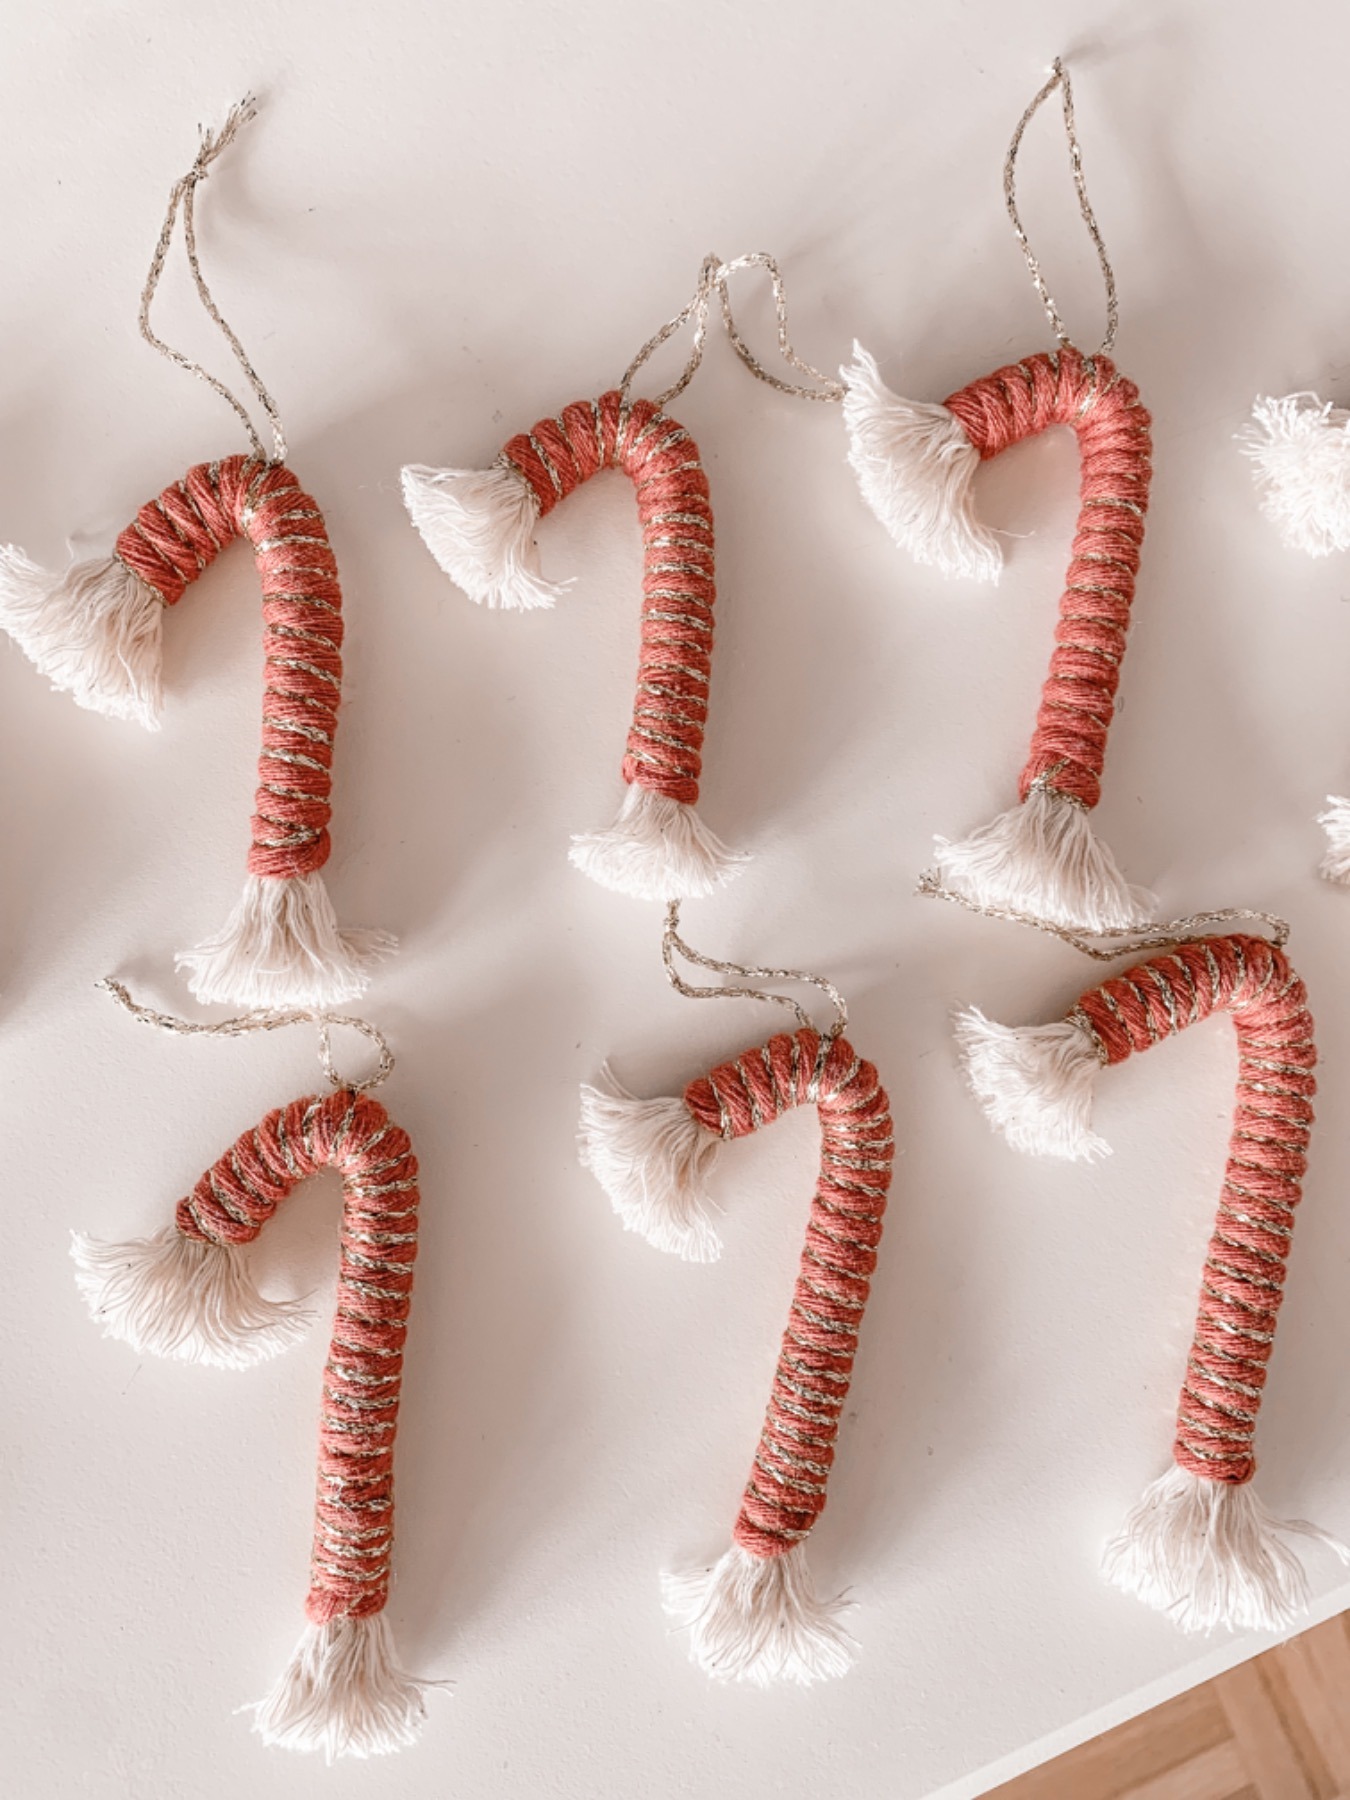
{"type": "Point", "coordinates": [915, 463]}
{"type": "Point", "coordinates": [96, 632]}
{"type": "Point", "coordinates": [187, 1292]}
{"type": "Point", "coordinates": [1200, 1546]}
{"type": "Point", "coordinates": [754, 1615]}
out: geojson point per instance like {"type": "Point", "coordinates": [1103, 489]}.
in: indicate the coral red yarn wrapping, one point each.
{"type": "Point", "coordinates": [1243, 1280]}
{"type": "Point", "coordinates": [665, 740]}
{"type": "Point", "coordinates": [354, 1517]}
{"type": "Point", "coordinates": [785, 1494]}
{"type": "Point", "coordinates": [178, 536]}
{"type": "Point", "coordinates": [1089, 395]}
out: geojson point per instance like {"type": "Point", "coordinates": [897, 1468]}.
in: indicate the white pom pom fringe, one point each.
{"type": "Point", "coordinates": [916, 468]}
{"type": "Point", "coordinates": [344, 1693]}
{"type": "Point", "coordinates": [171, 1295]}
{"type": "Point", "coordinates": [95, 631]}
{"type": "Point", "coordinates": [282, 946]}
{"type": "Point", "coordinates": [1035, 1083]}
{"type": "Point", "coordinates": [1208, 1553]}
{"type": "Point", "coordinates": [1301, 450]}
{"type": "Point", "coordinates": [1335, 821]}
{"type": "Point", "coordinates": [1043, 858]}
{"type": "Point", "coordinates": [757, 1619]}
{"type": "Point", "coordinates": [656, 849]}
{"type": "Point", "coordinates": [479, 525]}
{"type": "Point", "coordinates": [653, 1158]}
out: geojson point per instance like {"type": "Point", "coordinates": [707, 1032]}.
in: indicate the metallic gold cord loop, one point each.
{"type": "Point", "coordinates": [673, 945]}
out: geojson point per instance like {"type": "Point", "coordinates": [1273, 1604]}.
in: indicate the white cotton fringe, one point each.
{"type": "Point", "coordinates": [657, 849]}
{"type": "Point", "coordinates": [171, 1295]}
{"type": "Point", "coordinates": [1335, 821]}
{"type": "Point", "coordinates": [1043, 858]}
{"type": "Point", "coordinates": [95, 631]}
{"type": "Point", "coordinates": [479, 525]}
{"type": "Point", "coordinates": [757, 1619]}
{"type": "Point", "coordinates": [1208, 1553]}
{"type": "Point", "coordinates": [1300, 447]}
{"type": "Point", "coordinates": [1035, 1083]}
{"type": "Point", "coordinates": [653, 1159]}
{"type": "Point", "coordinates": [282, 946]}
{"type": "Point", "coordinates": [344, 1693]}
{"type": "Point", "coordinates": [916, 468]}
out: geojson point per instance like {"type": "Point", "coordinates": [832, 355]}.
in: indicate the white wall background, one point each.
{"type": "Point", "coordinates": [447, 221]}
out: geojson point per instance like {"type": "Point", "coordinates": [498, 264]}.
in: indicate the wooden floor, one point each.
{"type": "Point", "coordinates": [1277, 1728]}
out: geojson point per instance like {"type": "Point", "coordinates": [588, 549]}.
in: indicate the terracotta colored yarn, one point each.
{"type": "Point", "coordinates": [665, 740]}
{"type": "Point", "coordinates": [1089, 395]}
{"type": "Point", "coordinates": [174, 539]}
{"type": "Point", "coordinates": [354, 1518]}
{"type": "Point", "coordinates": [1244, 1271]}
{"type": "Point", "coordinates": [785, 1494]}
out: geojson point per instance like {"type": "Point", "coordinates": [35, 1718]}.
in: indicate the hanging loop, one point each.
{"type": "Point", "coordinates": [673, 945]}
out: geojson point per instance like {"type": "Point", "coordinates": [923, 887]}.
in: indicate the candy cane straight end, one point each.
{"type": "Point", "coordinates": [1035, 1083]}
{"type": "Point", "coordinates": [656, 849]}
{"type": "Point", "coordinates": [652, 1158]}
{"type": "Point", "coordinates": [915, 465]}
{"type": "Point", "coordinates": [479, 525]}
{"type": "Point", "coordinates": [1335, 821]}
{"type": "Point", "coordinates": [758, 1619]}
{"type": "Point", "coordinates": [169, 1295]}
{"type": "Point", "coordinates": [343, 1693]}
{"type": "Point", "coordinates": [1044, 858]}
{"type": "Point", "coordinates": [1300, 451]}
{"type": "Point", "coordinates": [1209, 1554]}
{"type": "Point", "coordinates": [282, 946]}
{"type": "Point", "coordinates": [95, 632]}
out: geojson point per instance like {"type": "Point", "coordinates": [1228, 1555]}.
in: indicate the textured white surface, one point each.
{"type": "Point", "coordinates": [447, 221]}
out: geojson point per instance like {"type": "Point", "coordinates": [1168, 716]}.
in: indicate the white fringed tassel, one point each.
{"type": "Point", "coordinates": [1035, 1083]}
{"type": "Point", "coordinates": [171, 1295]}
{"type": "Point", "coordinates": [916, 468]}
{"type": "Point", "coordinates": [653, 1159]}
{"type": "Point", "coordinates": [1043, 858]}
{"type": "Point", "coordinates": [1300, 447]}
{"type": "Point", "coordinates": [479, 525]}
{"type": "Point", "coordinates": [95, 631]}
{"type": "Point", "coordinates": [657, 849]}
{"type": "Point", "coordinates": [282, 946]}
{"type": "Point", "coordinates": [1208, 1553]}
{"type": "Point", "coordinates": [757, 1619]}
{"type": "Point", "coordinates": [344, 1693]}
{"type": "Point", "coordinates": [1335, 821]}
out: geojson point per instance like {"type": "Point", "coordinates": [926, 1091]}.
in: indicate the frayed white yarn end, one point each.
{"type": "Point", "coordinates": [1043, 858]}
{"type": "Point", "coordinates": [1035, 1083]}
{"type": "Point", "coordinates": [479, 525]}
{"type": "Point", "coordinates": [1335, 821]}
{"type": "Point", "coordinates": [916, 468]}
{"type": "Point", "coordinates": [95, 631]}
{"type": "Point", "coordinates": [344, 1693]}
{"type": "Point", "coordinates": [1208, 1553]}
{"type": "Point", "coordinates": [758, 1619]}
{"type": "Point", "coordinates": [282, 946]}
{"type": "Point", "coordinates": [1300, 449]}
{"type": "Point", "coordinates": [170, 1295]}
{"type": "Point", "coordinates": [656, 849]}
{"type": "Point", "coordinates": [653, 1159]}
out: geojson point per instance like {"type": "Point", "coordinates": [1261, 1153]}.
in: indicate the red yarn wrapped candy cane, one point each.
{"type": "Point", "coordinates": [755, 1616]}
{"type": "Point", "coordinates": [187, 1293]}
{"type": "Point", "coordinates": [96, 630]}
{"type": "Point", "coordinates": [479, 525]}
{"type": "Point", "coordinates": [1200, 1546]}
{"type": "Point", "coordinates": [915, 463]}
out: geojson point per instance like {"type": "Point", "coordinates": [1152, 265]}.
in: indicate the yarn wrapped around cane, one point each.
{"type": "Point", "coordinates": [915, 464]}
{"type": "Point", "coordinates": [479, 525]}
{"type": "Point", "coordinates": [96, 631]}
{"type": "Point", "coordinates": [1200, 1545]}
{"type": "Point", "coordinates": [754, 1616]}
{"type": "Point", "coordinates": [187, 1293]}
